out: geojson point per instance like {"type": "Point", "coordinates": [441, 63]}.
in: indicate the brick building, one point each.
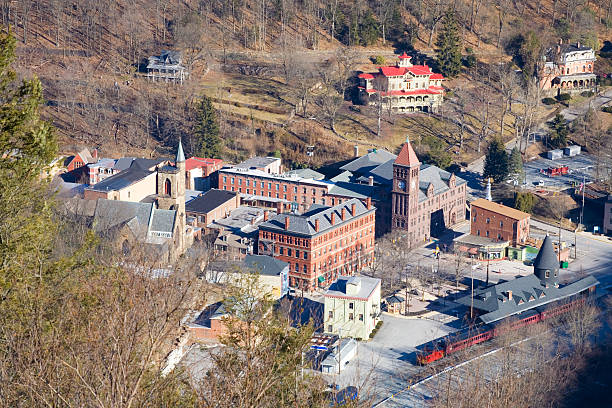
{"type": "Point", "coordinates": [211, 206]}
{"type": "Point", "coordinates": [404, 87]}
{"type": "Point", "coordinates": [498, 222]}
{"type": "Point", "coordinates": [199, 173]}
{"type": "Point", "coordinates": [322, 243]}
{"type": "Point", "coordinates": [425, 200]}
{"type": "Point", "coordinates": [568, 67]}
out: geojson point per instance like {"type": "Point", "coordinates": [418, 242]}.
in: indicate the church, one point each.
{"type": "Point", "coordinates": [425, 200]}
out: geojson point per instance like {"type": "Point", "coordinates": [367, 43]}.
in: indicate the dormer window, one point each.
{"type": "Point", "coordinates": [547, 274]}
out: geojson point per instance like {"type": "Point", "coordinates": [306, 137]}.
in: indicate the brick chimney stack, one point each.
{"type": "Point", "coordinates": [333, 218]}
{"type": "Point", "coordinates": [353, 209]}
{"type": "Point", "coordinates": [286, 223]}
{"type": "Point", "coordinates": [266, 215]}
{"type": "Point", "coordinates": [343, 214]}
{"type": "Point", "coordinates": [369, 203]}
{"type": "Point", "coordinates": [317, 225]}
{"type": "Point", "coordinates": [371, 181]}
{"type": "Point", "coordinates": [509, 295]}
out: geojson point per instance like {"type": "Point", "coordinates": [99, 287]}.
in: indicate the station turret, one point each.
{"type": "Point", "coordinates": [546, 264]}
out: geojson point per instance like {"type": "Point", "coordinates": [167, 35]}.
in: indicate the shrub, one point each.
{"type": "Point", "coordinates": [607, 109]}
{"type": "Point", "coordinates": [377, 59]}
{"type": "Point", "coordinates": [564, 97]}
{"type": "Point", "coordinates": [379, 324]}
{"type": "Point", "coordinates": [469, 61]}
{"type": "Point", "coordinates": [587, 94]}
{"type": "Point", "coordinates": [549, 101]}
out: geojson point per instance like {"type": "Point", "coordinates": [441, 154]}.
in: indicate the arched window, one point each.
{"type": "Point", "coordinates": [584, 68]}
{"type": "Point", "coordinates": [168, 187]}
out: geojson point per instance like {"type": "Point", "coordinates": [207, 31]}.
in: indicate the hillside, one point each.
{"type": "Point", "coordinates": [243, 53]}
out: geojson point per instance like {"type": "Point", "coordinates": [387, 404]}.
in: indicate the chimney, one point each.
{"type": "Point", "coordinates": [95, 151]}
{"type": "Point", "coordinates": [356, 147]}
{"type": "Point", "coordinates": [371, 181]}
{"type": "Point", "coordinates": [558, 49]}
{"type": "Point", "coordinates": [266, 215]}
{"type": "Point", "coordinates": [317, 225]}
{"type": "Point", "coordinates": [333, 218]}
{"type": "Point", "coordinates": [369, 203]}
{"type": "Point", "coordinates": [253, 220]}
{"type": "Point", "coordinates": [353, 209]}
{"type": "Point", "coordinates": [578, 44]}
{"type": "Point", "coordinates": [286, 223]}
{"type": "Point", "coordinates": [509, 295]}
{"type": "Point", "coordinates": [343, 214]}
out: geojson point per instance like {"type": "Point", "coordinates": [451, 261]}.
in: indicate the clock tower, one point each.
{"type": "Point", "coordinates": [405, 192]}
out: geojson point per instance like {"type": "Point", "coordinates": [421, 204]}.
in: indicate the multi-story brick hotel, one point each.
{"type": "Point", "coordinates": [322, 243]}
{"type": "Point", "coordinates": [425, 199]}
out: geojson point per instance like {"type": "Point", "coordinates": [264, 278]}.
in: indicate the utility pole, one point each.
{"type": "Point", "coordinates": [559, 245]}
{"type": "Point", "coordinates": [472, 299]}
{"type": "Point", "coordinates": [582, 209]}
{"type": "Point", "coordinates": [488, 262]}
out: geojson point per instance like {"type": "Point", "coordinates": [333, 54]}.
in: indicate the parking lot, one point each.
{"type": "Point", "coordinates": [580, 167]}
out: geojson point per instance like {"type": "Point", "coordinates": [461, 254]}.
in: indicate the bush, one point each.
{"type": "Point", "coordinates": [564, 97]}
{"type": "Point", "coordinates": [379, 324]}
{"type": "Point", "coordinates": [587, 94]}
{"type": "Point", "coordinates": [377, 59]}
{"type": "Point", "coordinates": [469, 61]}
{"type": "Point", "coordinates": [549, 101]}
{"type": "Point", "coordinates": [607, 109]}
{"type": "Point", "coordinates": [605, 54]}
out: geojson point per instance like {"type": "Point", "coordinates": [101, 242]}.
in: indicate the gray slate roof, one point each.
{"type": "Point", "coordinates": [138, 169]}
{"type": "Point", "coordinates": [265, 265]}
{"type": "Point", "coordinates": [527, 292]}
{"type": "Point", "coordinates": [256, 162]}
{"type": "Point", "coordinates": [209, 201]}
{"type": "Point", "coordinates": [546, 258]}
{"type": "Point", "coordinates": [368, 285]}
{"type": "Point", "coordinates": [368, 161]}
{"type": "Point", "coordinates": [305, 224]}
{"type": "Point", "coordinates": [307, 174]}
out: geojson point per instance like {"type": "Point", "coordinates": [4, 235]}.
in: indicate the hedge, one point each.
{"type": "Point", "coordinates": [549, 101]}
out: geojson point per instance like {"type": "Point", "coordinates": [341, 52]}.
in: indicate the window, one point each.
{"type": "Point", "coordinates": [269, 186]}
{"type": "Point", "coordinates": [224, 179]}
{"type": "Point", "coordinates": [487, 233]}
{"type": "Point", "coordinates": [330, 328]}
{"type": "Point", "coordinates": [351, 316]}
{"type": "Point", "coordinates": [305, 268]}
{"type": "Point", "coordinates": [547, 274]}
{"type": "Point", "coordinates": [284, 187]}
{"type": "Point", "coordinates": [248, 182]}
{"type": "Point", "coordinates": [232, 180]}
{"type": "Point", "coordinates": [277, 187]}
{"type": "Point", "coordinates": [288, 251]}
{"type": "Point", "coordinates": [305, 255]}
{"type": "Point", "coordinates": [297, 253]}
{"type": "Point", "coordinates": [501, 224]}
{"type": "Point", "coordinates": [361, 317]}
{"type": "Point", "coordinates": [295, 190]}
{"type": "Point", "coordinates": [351, 305]}
{"type": "Point", "coordinates": [239, 181]}
{"type": "Point", "coordinates": [281, 250]}
{"type": "Point", "coordinates": [488, 220]}
{"type": "Point", "coordinates": [331, 314]}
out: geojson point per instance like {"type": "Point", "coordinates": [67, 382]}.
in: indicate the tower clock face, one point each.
{"type": "Point", "coordinates": [402, 185]}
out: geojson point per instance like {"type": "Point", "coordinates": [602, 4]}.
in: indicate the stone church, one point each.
{"type": "Point", "coordinates": [425, 200]}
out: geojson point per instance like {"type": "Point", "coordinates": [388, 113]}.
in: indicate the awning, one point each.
{"type": "Point", "coordinates": [321, 279]}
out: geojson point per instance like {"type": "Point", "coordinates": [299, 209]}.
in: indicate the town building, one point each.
{"type": "Point", "coordinates": [403, 87]}
{"type": "Point", "coordinates": [201, 173]}
{"type": "Point", "coordinates": [167, 67]}
{"type": "Point", "coordinates": [273, 274]}
{"type": "Point", "coordinates": [321, 244]}
{"type": "Point", "coordinates": [122, 193]}
{"type": "Point", "coordinates": [211, 206]}
{"type": "Point", "coordinates": [80, 159]}
{"type": "Point", "coordinates": [567, 68]}
{"type": "Point", "coordinates": [352, 307]}
{"type": "Point", "coordinates": [509, 298]}
{"type": "Point", "coordinates": [425, 200]}
{"type": "Point", "coordinates": [607, 218]}
{"type": "Point", "coordinates": [235, 236]}
{"type": "Point", "coordinates": [396, 304]}
{"type": "Point", "coordinates": [258, 183]}
{"type": "Point", "coordinates": [340, 354]}
{"type": "Point", "coordinates": [499, 222]}
{"type": "Point", "coordinates": [100, 170]}
{"type": "Point", "coordinates": [209, 325]}
{"type": "Point", "coordinates": [135, 183]}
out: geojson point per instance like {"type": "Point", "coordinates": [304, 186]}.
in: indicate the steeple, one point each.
{"type": "Point", "coordinates": [180, 156]}
{"type": "Point", "coordinates": [489, 196]}
{"type": "Point", "coordinates": [407, 157]}
{"type": "Point", "coordinates": [546, 264]}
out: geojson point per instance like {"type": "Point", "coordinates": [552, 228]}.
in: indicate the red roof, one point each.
{"type": "Point", "coordinates": [366, 76]}
{"type": "Point", "coordinates": [407, 156]}
{"type": "Point", "coordinates": [404, 55]}
{"type": "Point", "coordinates": [393, 71]}
{"type": "Point", "coordinates": [437, 76]}
{"type": "Point", "coordinates": [420, 70]}
{"type": "Point", "coordinates": [197, 162]}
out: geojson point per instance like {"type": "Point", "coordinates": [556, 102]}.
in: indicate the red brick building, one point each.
{"type": "Point", "coordinates": [198, 170]}
{"type": "Point", "coordinates": [498, 222]}
{"type": "Point", "coordinates": [322, 243]}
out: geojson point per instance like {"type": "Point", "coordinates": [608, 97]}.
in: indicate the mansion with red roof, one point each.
{"type": "Point", "coordinates": [404, 87]}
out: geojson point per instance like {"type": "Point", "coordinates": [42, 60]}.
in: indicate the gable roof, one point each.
{"type": "Point", "coordinates": [368, 161]}
{"type": "Point", "coordinates": [209, 201]}
{"type": "Point", "coordinates": [407, 157]}
{"type": "Point", "coordinates": [304, 224]}
{"type": "Point", "coordinates": [265, 265]}
{"type": "Point", "coordinates": [500, 209]}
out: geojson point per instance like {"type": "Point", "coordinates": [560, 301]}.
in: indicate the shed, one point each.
{"type": "Point", "coordinates": [572, 150]}
{"type": "Point", "coordinates": [554, 154]}
{"type": "Point", "coordinates": [347, 350]}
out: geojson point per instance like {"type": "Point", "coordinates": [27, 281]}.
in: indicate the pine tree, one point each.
{"type": "Point", "coordinates": [515, 163]}
{"type": "Point", "coordinates": [449, 49]}
{"type": "Point", "coordinates": [496, 161]}
{"type": "Point", "coordinates": [558, 131]}
{"type": "Point", "coordinates": [208, 143]}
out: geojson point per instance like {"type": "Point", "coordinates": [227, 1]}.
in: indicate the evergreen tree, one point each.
{"type": "Point", "coordinates": [524, 202]}
{"type": "Point", "coordinates": [208, 143]}
{"type": "Point", "coordinates": [558, 131]}
{"type": "Point", "coordinates": [449, 48]}
{"type": "Point", "coordinates": [496, 161]}
{"type": "Point", "coordinates": [515, 164]}
{"type": "Point", "coordinates": [369, 29]}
